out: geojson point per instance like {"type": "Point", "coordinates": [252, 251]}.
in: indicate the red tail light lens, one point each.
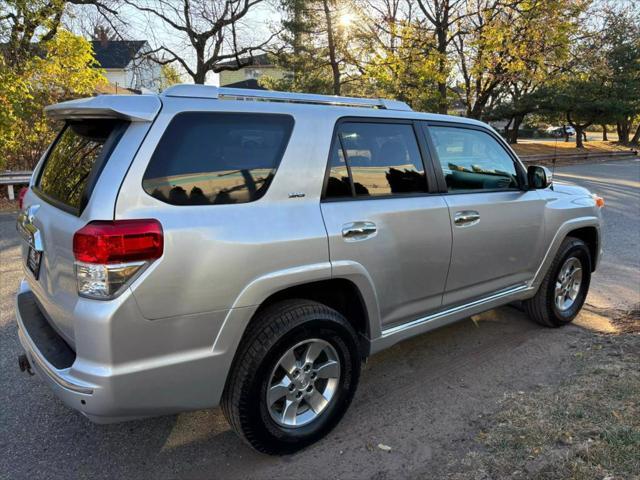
{"type": "Point", "coordinates": [120, 241]}
{"type": "Point", "coordinates": [21, 194]}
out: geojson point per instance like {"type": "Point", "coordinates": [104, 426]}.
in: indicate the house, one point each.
{"type": "Point", "coordinates": [248, 76]}
{"type": "Point", "coordinates": [126, 66]}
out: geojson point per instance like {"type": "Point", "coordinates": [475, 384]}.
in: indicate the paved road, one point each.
{"type": "Point", "coordinates": [422, 398]}
{"type": "Point", "coordinates": [617, 281]}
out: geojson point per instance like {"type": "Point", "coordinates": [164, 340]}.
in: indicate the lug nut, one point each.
{"type": "Point", "coordinates": [298, 395]}
{"type": "Point", "coordinates": [309, 389]}
{"type": "Point", "coordinates": [307, 368]}
{"type": "Point", "coordinates": [292, 387]}
{"type": "Point", "coordinates": [314, 375]}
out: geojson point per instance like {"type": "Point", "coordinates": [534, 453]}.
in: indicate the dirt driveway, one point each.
{"type": "Point", "coordinates": [425, 398]}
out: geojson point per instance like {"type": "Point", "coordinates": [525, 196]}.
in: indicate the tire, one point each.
{"type": "Point", "coordinates": [268, 340]}
{"type": "Point", "coordinates": [543, 307]}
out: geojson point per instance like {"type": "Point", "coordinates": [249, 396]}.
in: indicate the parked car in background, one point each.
{"type": "Point", "coordinates": [561, 131]}
{"type": "Point", "coordinates": [249, 249]}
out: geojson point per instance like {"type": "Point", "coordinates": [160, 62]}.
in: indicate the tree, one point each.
{"type": "Point", "coordinates": [509, 44]}
{"type": "Point", "coordinates": [407, 72]}
{"type": "Point", "coordinates": [313, 47]}
{"type": "Point", "coordinates": [621, 50]}
{"type": "Point", "coordinates": [211, 28]}
{"type": "Point", "coordinates": [602, 82]}
{"type": "Point", "coordinates": [170, 76]}
{"type": "Point", "coordinates": [24, 24]}
{"type": "Point", "coordinates": [61, 68]}
{"type": "Point", "coordinates": [581, 100]}
{"type": "Point", "coordinates": [445, 18]}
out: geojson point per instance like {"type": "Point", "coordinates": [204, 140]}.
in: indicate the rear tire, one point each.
{"type": "Point", "coordinates": [565, 286]}
{"type": "Point", "coordinates": [292, 327]}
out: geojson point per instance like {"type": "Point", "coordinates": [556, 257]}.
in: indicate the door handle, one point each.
{"type": "Point", "coordinates": [466, 218]}
{"type": "Point", "coordinates": [358, 230]}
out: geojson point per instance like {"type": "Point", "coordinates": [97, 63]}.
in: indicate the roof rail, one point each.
{"type": "Point", "coordinates": [223, 93]}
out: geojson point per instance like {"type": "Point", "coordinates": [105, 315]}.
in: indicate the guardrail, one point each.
{"type": "Point", "coordinates": [546, 158]}
{"type": "Point", "coordinates": [14, 178]}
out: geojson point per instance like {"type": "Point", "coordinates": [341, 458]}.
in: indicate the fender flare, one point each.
{"type": "Point", "coordinates": [565, 229]}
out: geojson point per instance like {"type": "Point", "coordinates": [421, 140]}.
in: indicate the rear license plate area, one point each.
{"type": "Point", "coordinates": [34, 258]}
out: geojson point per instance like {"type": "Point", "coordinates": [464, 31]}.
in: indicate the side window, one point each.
{"type": "Point", "coordinates": [206, 158]}
{"type": "Point", "coordinates": [375, 159]}
{"type": "Point", "coordinates": [473, 160]}
{"type": "Point", "coordinates": [339, 184]}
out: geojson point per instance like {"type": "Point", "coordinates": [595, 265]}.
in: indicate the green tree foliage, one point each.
{"type": "Point", "coordinates": [314, 45]}
{"type": "Point", "coordinates": [511, 43]}
{"type": "Point", "coordinates": [60, 68]}
{"type": "Point", "coordinates": [408, 71]}
{"type": "Point", "coordinates": [602, 83]}
{"type": "Point", "coordinates": [170, 76]}
{"type": "Point", "coordinates": [621, 50]}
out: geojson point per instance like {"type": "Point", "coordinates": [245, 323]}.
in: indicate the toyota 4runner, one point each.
{"type": "Point", "coordinates": [249, 249]}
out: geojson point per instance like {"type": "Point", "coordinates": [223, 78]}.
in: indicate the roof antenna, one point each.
{"type": "Point", "coordinates": [553, 160]}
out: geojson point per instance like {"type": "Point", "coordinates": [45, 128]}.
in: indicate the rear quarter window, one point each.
{"type": "Point", "coordinates": [212, 158]}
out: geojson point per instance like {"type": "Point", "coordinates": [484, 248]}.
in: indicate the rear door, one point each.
{"type": "Point", "coordinates": [380, 212]}
{"type": "Point", "coordinates": [498, 225]}
{"type": "Point", "coordinates": [58, 204]}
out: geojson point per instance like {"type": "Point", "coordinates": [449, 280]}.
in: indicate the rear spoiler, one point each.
{"type": "Point", "coordinates": [135, 108]}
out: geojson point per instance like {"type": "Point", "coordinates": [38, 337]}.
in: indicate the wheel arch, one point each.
{"type": "Point", "coordinates": [587, 227]}
{"type": "Point", "coordinates": [338, 293]}
{"type": "Point", "coordinates": [590, 236]}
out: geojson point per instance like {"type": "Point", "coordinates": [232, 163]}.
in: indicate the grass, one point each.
{"type": "Point", "coordinates": [547, 147]}
{"type": "Point", "coordinates": [588, 428]}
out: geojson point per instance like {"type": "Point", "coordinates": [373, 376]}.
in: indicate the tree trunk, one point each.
{"type": "Point", "coordinates": [513, 135]}
{"type": "Point", "coordinates": [200, 74]}
{"type": "Point", "coordinates": [443, 105]}
{"type": "Point", "coordinates": [579, 136]}
{"type": "Point", "coordinates": [335, 68]}
{"type": "Point", "coordinates": [604, 133]}
{"type": "Point", "coordinates": [624, 129]}
{"type": "Point", "coordinates": [636, 137]}
{"type": "Point", "coordinates": [199, 77]}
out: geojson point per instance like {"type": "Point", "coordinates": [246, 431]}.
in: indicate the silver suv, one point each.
{"type": "Point", "coordinates": [250, 249]}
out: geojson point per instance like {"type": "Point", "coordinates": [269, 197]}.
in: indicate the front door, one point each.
{"type": "Point", "coordinates": [498, 225]}
{"type": "Point", "coordinates": [379, 213]}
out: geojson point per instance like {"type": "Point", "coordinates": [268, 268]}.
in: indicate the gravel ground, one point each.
{"type": "Point", "coordinates": [422, 398]}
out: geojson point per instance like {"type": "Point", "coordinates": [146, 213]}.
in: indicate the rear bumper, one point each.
{"type": "Point", "coordinates": [48, 353]}
{"type": "Point", "coordinates": [139, 384]}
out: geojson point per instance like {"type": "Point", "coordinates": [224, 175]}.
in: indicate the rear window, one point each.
{"type": "Point", "coordinates": [210, 158]}
{"type": "Point", "coordinates": [375, 159]}
{"type": "Point", "coordinates": [75, 161]}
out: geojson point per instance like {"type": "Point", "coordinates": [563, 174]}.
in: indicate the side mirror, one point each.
{"type": "Point", "coordinates": [539, 177]}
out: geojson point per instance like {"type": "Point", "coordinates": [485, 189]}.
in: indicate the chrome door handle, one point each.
{"type": "Point", "coordinates": [466, 218]}
{"type": "Point", "coordinates": [358, 230]}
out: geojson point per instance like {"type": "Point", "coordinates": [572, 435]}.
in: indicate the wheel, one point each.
{"type": "Point", "coordinates": [565, 286]}
{"type": "Point", "coordinates": [293, 378]}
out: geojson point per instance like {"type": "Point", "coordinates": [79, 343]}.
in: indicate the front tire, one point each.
{"type": "Point", "coordinates": [565, 286]}
{"type": "Point", "coordinates": [293, 378]}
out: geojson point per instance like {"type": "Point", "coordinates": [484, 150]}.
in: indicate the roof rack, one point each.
{"type": "Point", "coordinates": [222, 93]}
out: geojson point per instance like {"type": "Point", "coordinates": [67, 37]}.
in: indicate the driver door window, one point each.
{"type": "Point", "coordinates": [473, 160]}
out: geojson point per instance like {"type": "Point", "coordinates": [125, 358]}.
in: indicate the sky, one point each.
{"type": "Point", "coordinates": [256, 27]}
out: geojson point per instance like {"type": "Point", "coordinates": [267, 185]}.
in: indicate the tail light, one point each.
{"type": "Point", "coordinates": [109, 255]}
{"type": "Point", "coordinates": [21, 194]}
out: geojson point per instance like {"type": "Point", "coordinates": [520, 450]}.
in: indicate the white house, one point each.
{"type": "Point", "coordinates": [127, 66]}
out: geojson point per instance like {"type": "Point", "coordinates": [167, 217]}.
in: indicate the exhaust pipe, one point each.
{"type": "Point", "coordinates": [23, 363]}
